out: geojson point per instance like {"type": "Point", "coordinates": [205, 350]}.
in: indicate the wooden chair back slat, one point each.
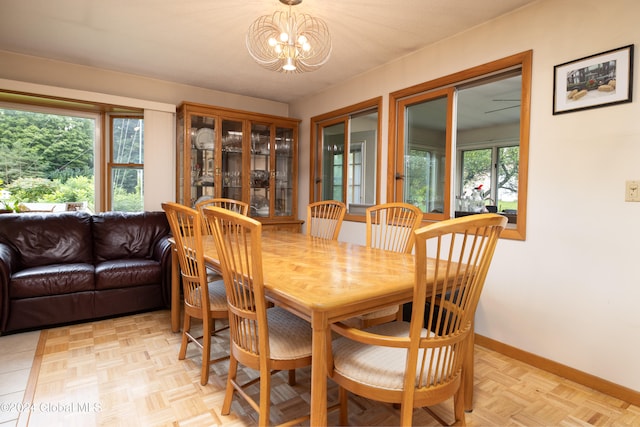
{"type": "Point", "coordinates": [324, 219]}
{"type": "Point", "coordinates": [390, 226]}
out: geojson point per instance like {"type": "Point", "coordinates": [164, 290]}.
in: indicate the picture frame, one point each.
{"type": "Point", "coordinates": [594, 81]}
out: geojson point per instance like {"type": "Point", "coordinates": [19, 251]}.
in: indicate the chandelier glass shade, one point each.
{"type": "Point", "coordinates": [288, 42]}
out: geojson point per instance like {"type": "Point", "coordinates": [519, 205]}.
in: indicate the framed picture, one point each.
{"type": "Point", "coordinates": [594, 81]}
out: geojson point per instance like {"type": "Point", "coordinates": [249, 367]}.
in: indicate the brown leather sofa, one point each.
{"type": "Point", "coordinates": [58, 268]}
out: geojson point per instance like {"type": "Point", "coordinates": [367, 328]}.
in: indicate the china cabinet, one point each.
{"type": "Point", "coordinates": [239, 155]}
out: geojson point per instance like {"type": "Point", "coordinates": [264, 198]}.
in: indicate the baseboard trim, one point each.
{"type": "Point", "coordinates": [615, 390]}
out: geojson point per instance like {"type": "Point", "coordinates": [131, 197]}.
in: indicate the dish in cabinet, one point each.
{"type": "Point", "coordinates": [204, 139]}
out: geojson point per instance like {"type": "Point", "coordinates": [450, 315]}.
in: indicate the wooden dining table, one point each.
{"type": "Point", "coordinates": [324, 281]}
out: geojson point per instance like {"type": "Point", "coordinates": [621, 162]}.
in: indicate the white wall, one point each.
{"type": "Point", "coordinates": [159, 149]}
{"type": "Point", "coordinates": [570, 292]}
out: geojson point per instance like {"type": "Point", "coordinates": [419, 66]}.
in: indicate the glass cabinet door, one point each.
{"type": "Point", "coordinates": [202, 131]}
{"type": "Point", "coordinates": [284, 153]}
{"type": "Point", "coordinates": [232, 159]}
{"type": "Point", "coordinates": [260, 171]}
{"type": "Point", "coordinates": [239, 155]}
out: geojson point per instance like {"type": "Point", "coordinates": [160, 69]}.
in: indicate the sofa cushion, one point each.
{"type": "Point", "coordinates": [123, 235]}
{"type": "Point", "coordinates": [127, 272]}
{"type": "Point", "coordinates": [48, 238]}
{"type": "Point", "coordinates": [56, 279]}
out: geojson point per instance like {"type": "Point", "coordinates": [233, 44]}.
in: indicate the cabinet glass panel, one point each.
{"type": "Point", "coordinates": [232, 159]}
{"type": "Point", "coordinates": [260, 170]}
{"type": "Point", "coordinates": [180, 157]}
{"type": "Point", "coordinates": [283, 172]}
{"type": "Point", "coordinates": [203, 141]}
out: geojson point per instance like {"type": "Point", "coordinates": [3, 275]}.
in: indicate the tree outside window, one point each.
{"type": "Point", "coordinates": [46, 157]}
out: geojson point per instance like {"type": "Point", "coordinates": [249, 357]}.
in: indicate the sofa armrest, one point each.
{"type": "Point", "coordinates": [8, 263]}
{"type": "Point", "coordinates": [162, 253]}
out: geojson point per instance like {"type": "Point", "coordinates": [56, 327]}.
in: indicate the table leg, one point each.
{"type": "Point", "coordinates": [320, 326]}
{"type": "Point", "coordinates": [175, 291]}
{"type": "Point", "coordinates": [468, 373]}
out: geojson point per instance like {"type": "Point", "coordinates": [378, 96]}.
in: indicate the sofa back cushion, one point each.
{"type": "Point", "coordinates": [121, 235]}
{"type": "Point", "coordinates": [48, 238]}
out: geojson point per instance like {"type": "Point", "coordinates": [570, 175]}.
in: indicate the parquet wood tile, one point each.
{"type": "Point", "coordinates": [126, 372]}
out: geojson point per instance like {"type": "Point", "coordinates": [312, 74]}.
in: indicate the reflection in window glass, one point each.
{"type": "Point", "coordinates": [333, 143]}
{"type": "Point", "coordinates": [361, 187]}
{"type": "Point", "coordinates": [344, 161]}
{"type": "Point", "coordinates": [425, 155]}
{"type": "Point", "coordinates": [356, 171]}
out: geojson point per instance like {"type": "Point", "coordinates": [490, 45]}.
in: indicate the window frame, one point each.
{"type": "Point", "coordinates": [67, 106]}
{"type": "Point", "coordinates": [343, 115]}
{"type": "Point", "coordinates": [111, 165]}
{"type": "Point", "coordinates": [98, 134]}
{"type": "Point", "coordinates": [495, 163]}
{"type": "Point", "coordinates": [522, 61]}
{"type": "Point", "coordinates": [400, 173]}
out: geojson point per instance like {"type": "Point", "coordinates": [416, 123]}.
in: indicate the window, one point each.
{"type": "Point", "coordinates": [53, 154]}
{"type": "Point", "coordinates": [344, 164]}
{"type": "Point", "coordinates": [423, 169]}
{"type": "Point", "coordinates": [47, 158]}
{"type": "Point", "coordinates": [464, 136]}
{"type": "Point", "coordinates": [494, 170]}
{"type": "Point", "coordinates": [125, 167]}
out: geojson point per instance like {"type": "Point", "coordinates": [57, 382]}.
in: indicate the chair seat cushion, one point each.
{"type": "Point", "coordinates": [52, 279]}
{"type": "Point", "coordinates": [217, 295]}
{"type": "Point", "coordinates": [125, 273]}
{"type": "Point", "coordinates": [376, 366]}
{"type": "Point", "coordinates": [289, 335]}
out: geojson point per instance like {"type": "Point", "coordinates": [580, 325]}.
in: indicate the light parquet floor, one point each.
{"type": "Point", "coordinates": [125, 372]}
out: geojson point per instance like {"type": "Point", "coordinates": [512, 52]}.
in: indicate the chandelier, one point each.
{"type": "Point", "coordinates": [288, 42]}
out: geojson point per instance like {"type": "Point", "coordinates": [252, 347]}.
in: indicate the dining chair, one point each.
{"type": "Point", "coordinates": [263, 337]}
{"type": "Point", "coordinates": [203, 299]}
{"type": "Point", "coordinates": [324, 219]}
{"type": "Point", "coordinates": [404, 362]}
{"type": "Point", "coordinates": [389, 227]}
{"type": "Point", "coordinates": [230, 204]}
{"type": "Point", "coordinates": [221, 202]}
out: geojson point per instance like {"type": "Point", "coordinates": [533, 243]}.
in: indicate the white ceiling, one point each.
{"type": "Point", "coordinates": [202, 42]}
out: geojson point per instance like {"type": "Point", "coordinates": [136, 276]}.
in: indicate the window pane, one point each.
{"type": "Point", "coordinates": [332, 162]}
{"type": "Point", "coordinates": [126, 166]}
{"type": "Point", "coordinates": [127, 189]}
{"type": "Point", "coordinates": [284, 168]}
{"type": "Point", "coordinates": [46, 159]}
{"type": "Point", "coordinates": [425, 155]}
{"type": "Point", "coordinates": [476, 174]}
{"type": "Point", "coordinates": [361, 186]}
{"type": "Point", "coordinates": [128, 137]}
{"type": "Point", "coordinates": [508, 165]}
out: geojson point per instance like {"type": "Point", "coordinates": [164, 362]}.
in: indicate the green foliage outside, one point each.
{"type": "Point", "coordinates": [477, 170]}
{"type": "Point", "coordinates": [47, 158]}
{"type": "Point", "coordinates": [127, 201]}
{"type": "Point", "coordinates": [417, 190]}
